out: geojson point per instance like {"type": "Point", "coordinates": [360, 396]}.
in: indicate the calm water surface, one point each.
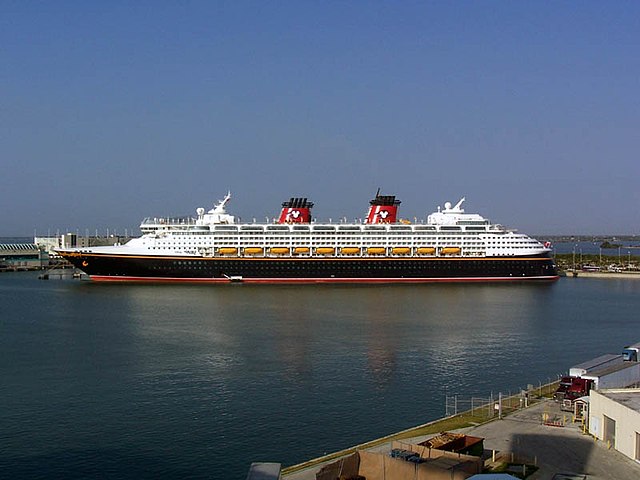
{"type": "Point", "coordinates": [148, 381]}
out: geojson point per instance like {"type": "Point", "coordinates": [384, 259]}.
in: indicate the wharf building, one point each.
{"type": "Point", "coordinates": [73, 240]}
{"type": "Point", "coordinates": [23, 256]}
{"type": "Point", "coordinates": [614, 418]}
{"type": "Point", "coordinates": [41, 253]}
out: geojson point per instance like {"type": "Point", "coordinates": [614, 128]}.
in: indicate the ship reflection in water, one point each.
{"type": "Point", "coordinates": [293, 331]}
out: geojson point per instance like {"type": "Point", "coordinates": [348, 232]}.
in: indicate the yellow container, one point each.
{"type": "Point", "coordinates": [301, 250]}
{"type": "Point", "coordinates": [425, 250]}
{"type": "Point", "coordinates": [279, 250]}
{"type": "Point", "coordinates": [228, 251]}
{"type": "Point", "coordinates": [450, 251]}
{"type": "Point", "coordinates": [349, 250]}
{"type": "Point", "coordinates": [376, 250]}
{"type": "Point", "coordinates": [325, 250]}
{"type": "Point", "coordinates": [401, 250]}
{"type": "Point", "coordinates": [253, 251]}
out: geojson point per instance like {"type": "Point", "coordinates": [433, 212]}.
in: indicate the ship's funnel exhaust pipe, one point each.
{"type": "Point", "coordinates": [383, 209]}
{"type": "Point", "coordinates": [296, 210]}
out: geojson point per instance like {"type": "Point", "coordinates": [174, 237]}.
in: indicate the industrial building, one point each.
{"type": "Point", "coordinates": [614, 418]}
{"type": "Point", "coordinates": [72, 240]}
{"type": "Point", "coordinates": [22, 256]}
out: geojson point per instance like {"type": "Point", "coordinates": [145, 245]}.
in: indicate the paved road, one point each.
{"type": "Point", "coordinates": [557, 449]}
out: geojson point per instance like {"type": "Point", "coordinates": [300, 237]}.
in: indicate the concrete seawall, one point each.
{"type": "Point", "coordinates": [617, 275]}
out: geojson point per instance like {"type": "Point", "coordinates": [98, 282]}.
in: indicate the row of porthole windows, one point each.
{"type": "Point", "coordinates": [439, 265]}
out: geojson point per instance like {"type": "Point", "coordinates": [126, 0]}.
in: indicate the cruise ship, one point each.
{"type": "Point", "coordinates": [450, 246]}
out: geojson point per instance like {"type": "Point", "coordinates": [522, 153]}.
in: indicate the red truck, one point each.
{"type": "Point", "coordinates": [570, 389]}
{"type": "Point", "coordinates": [565, 383]}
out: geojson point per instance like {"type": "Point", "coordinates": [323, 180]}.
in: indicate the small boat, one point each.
{"type": "Point", "coordinates": [350, 250]}
{"type": "Point", "coordinates": [401, 250]}
{"type": "Point", "coordinates": [301, 250]}
{"type": "Point", "coordinates": [279, 250]}
{"type": "Point", "coordinates": [227, 251]}
{"type": "Point", "coordinates": [253, 251]}
{"type": "Point", "coordinates": [376, 250]}
{"type": "Point", "coordinates": [425, 251]}
{"type": "Point", "coordinates": [450, 251]}
{"type": "Point", "coordinates": [325, 250]}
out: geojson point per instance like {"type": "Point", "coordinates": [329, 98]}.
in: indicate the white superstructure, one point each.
{"type": "Point", "coordinates": [448, 232]}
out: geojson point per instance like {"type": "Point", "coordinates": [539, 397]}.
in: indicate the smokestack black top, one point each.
{"type": "Point", "coordinates": [297, 202]}
{"type": "Point", "coordinates": [385, 200]}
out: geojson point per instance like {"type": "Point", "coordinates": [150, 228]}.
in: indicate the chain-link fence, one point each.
{"type": "Point", "coordinates": [497, 404]}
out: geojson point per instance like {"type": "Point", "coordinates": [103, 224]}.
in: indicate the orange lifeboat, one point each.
{"type": "Point", "coordinates": [425, 250]}
{"type": "Point", "coordinates": [228, 251]}
{"type": "Point", "coordinates": [325, 250]}
{"type": "Point", "coordinates": [376, 250]}
{"type": "Point", "coordinates": [279, 250]}
{"type": "Point", "coordinates": [401, 250]}
{"type": "Point", "coordinates": [350, 250]}
{"type": "Point", "coordinates": [450, 251]}
{"type": "Point", "coordinates": [301, 250]}
{"type": "Point", "coordinates": [253, 251]}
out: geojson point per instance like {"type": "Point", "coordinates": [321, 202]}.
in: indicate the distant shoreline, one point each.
{"type": "Point", "coordinates": [625, 275]}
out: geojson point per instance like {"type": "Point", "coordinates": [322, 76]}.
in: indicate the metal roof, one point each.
{"type": "Point", "coordinates": [18, 247]}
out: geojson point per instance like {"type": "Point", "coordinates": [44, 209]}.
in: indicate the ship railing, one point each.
{"type": "Point", "coordinates": [162, 221]}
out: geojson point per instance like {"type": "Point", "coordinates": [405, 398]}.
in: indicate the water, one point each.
{"type": "Point", "coordinates": [148, 381]}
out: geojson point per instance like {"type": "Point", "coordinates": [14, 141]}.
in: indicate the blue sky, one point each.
{"type": "Point", "coordinates": [113, 111]}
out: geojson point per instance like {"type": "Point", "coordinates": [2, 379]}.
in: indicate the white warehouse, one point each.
{"type": "Point", "coordinates": [614, 418]}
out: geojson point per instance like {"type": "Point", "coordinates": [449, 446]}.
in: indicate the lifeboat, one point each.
{"type": "Point", "coordinates": [401, 250]}
{"type": "Point", "coordinates": [253, 251]}
{"type": "Point", "coordinates": [325, 250]}
{"type": "Point", "coordinates": [301, 250]}
{"type": "Point", "coordinates": [376, 250]}
{"type": "Point", "coordinates": [425, 250]}
{"type": "Point", "coordinates": [350, 250]}
{"type": "Point", "coordinates": [450, 251]}
{"type": "Point", "coordinates": [228, 251]}
{"type": "Point", "coordinates": [279, 250]}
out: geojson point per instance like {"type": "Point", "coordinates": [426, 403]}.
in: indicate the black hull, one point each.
{"type": "Point", "coordinates": [311, 270]}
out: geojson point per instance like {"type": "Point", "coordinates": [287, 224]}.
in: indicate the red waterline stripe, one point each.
{"type": "Point", "coordinates": [100, 278]}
